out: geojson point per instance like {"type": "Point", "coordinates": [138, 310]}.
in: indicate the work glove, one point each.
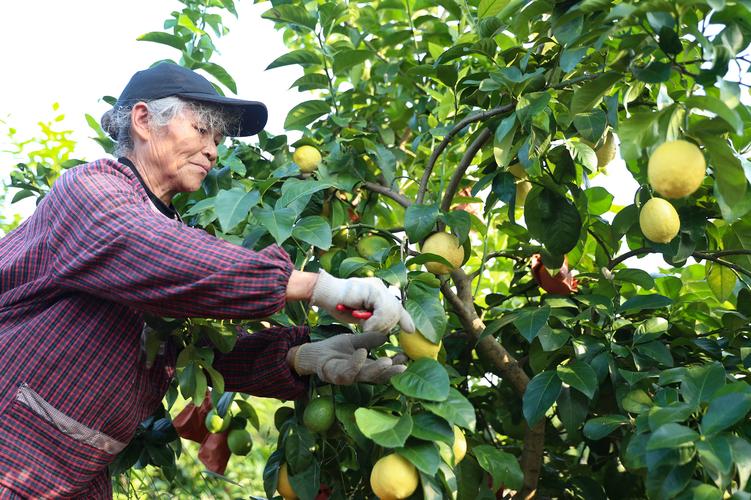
{"type": "Point", "coordinates": [363, 294]}
{"type": "Point", "coordinates": [343, 360]}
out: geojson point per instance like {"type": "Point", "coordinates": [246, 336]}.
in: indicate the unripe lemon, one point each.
{"type": "Point", "coordinates": [460, 445]}
{"type": "Point", "coordinates": [373, 247]}
{"type": "Point", "coordinates": [659, 221]}
{"type": "Point", "coordinates": [215, 423]}
{"type": "Point", "coordinates": [676, 169]}
{"type": "Point", "coordinates": [444, 245]}
{"type": "Point", "coordinates": [523, 186]}
{"type": "Point", "coordinates": [283, 486]}
{"type": "Point", "coordinates": [319, 414]}
{"type": "Point", "coordinates": [239, 441]}
{"type": "Point", "coordinates": [307, 158]}
{"type": "Point", "coordinates": [393, 477]}
{"type": "Point", "coordinates": [416, 346]}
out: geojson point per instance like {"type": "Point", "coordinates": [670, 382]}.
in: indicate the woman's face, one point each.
{"type": "Point", "coordinates": [182, 153]}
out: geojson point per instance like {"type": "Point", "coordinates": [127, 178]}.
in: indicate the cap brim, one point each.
{"type": "Point", "coordinates": [253, 114]}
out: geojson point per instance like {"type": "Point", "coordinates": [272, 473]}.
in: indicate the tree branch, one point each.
{"type": "Point", "coordinates": [462, 302]}
{"type": "Point", "coordinates": [722, 262]}
{"type": "Point", "coordinates": [464, 164]}
{"type": "Point", "coordinates": [380, 189]}
{"type": "Point", "coordinates": [477, 117]}
{"type": "Point", "coordinates": [633, 253]}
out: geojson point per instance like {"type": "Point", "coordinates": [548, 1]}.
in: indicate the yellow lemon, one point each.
{"type": "Point", "coordinates": [606, 152]}
{"type": "Point", "coordinates": [416, 346]}
{"type": "Point", "coordinates": [676, 169]}
{"type": "Point", "coordinates": [215, 423]}
{"type": "Point", "coordinates": [460, 445]}
{"type": "Point", "coordinates": [659, 221]}
{"type": "Point", "coordinates": [307, 158]}
{"type": "Point", "coordinates": [393, 477]}
{"type": "Point", "coordinates": [444, 245]}
{"type": "Point", "coordinates": [523, 186]}
{"type": "Point", "coordinates": [283, 486]}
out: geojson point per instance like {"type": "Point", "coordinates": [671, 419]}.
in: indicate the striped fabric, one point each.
{"type": "Point", "coordinates": [75, 281]}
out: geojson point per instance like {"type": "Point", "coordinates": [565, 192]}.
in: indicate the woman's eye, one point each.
{"type": "Point", "coordinates": [201, 130]}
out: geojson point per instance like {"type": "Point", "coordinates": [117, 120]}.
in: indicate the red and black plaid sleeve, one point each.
{"type": "Point", "coordinates": [107, 242]}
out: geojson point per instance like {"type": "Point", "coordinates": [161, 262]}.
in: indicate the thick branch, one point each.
{"type": "Point", "coordinates": [490, 349]}
{"type": "Point", "coordinates": [633, 253]}
{"type": "Point", "coordinates": [464, 164]}
{"type": "Point", "coordinates": [485, 115]}
{"type": "Point", "coordinates": [397, 197]}
{"type": "Point", "coordinates": [714, 258]}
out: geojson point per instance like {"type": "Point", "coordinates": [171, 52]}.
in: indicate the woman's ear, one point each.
{"type": "Point", "coordinates": [139, 122]}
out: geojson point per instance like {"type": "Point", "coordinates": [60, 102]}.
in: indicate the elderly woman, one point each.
{"type": "Point", "coordinates": [104, 248]}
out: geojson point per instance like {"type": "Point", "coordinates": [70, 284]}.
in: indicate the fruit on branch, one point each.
{"type": "Point", "coordinates": [239, 441]}
{"type": "Point", "coordinates": [563, 283]}
{"type": "Point", "coordinates": [523, 186]}
{"type": "Point", "coordinates": [216, 423]}
{"type": "Point", "coordinates": [373, 247]}
{"type": "Point", "coordinates": [393, 477]}
{"type": "Point", "coordinates": [319, 415]}
{"type": "Point", "coordinates": [676, 169]}
{"type": "Point", "coordinates": [307, 158]}
{"type": "Point", "coordinates": [416, 346]}
{"type": "Point", "coordinates": [460, 445]}
{"type": "Point", "coordinates": [659, 221]}
{"type": "Point", "coordinates": [283, 486]}
{"type": "Point", "coordinates": [444, 245]}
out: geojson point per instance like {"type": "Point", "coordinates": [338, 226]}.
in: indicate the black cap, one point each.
{"type": "Point", "coordinates": [169, 79]}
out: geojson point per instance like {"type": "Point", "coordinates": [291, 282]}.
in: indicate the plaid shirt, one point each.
{"type": "Point", "coordinates": [75, 281]}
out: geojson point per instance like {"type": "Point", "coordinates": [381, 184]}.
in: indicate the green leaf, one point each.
{"type": "Point", "coordinates": [298, 189]}
{"type": "Point", "coordinates": [232, 206]}
{"type": "Point", "coordinates": [530, 105]}
{"type": "Point", "coordinates": [599, 200]}
{"type": "Point", "coordinates": [552, 339]}
{"type": "Point", "coordinates": [383, 428]}
{"type": "Point", "coordinates": [501, 465]}
{"type": "Point", "coordinates": [456, 409]}
{"type": "Point", "coordinates": [724, 411]}
{"type": "Point", "coordinates": [584, 154]}
{"type": "Point", "coordinates": [530, 321]}
{"type": "Point", "coordinates": [220, 74]}
{"type": "Point", "coordinates": [705, 492]}
{"type": "Point", "coordinates": [305, 113]}
{"type": "Point", "coordinates": [311, 81]}
{"type": "Point", "coordinates": [431, 427]}
{"type": "Point", "coordinates": [580, 376]}
{"type": "Point", "coordinates": [636, 401]}
{"type": "Point", "coordinates": [716, 106]}
{"type": "Point", "coordinates": [291, 14]}
{"type": "Point", "coordinates": [572, 409]}
{"type": "Point", "coordinates": [278, 222]}
{"type": "Point", "coordinates": [742, 457]}
{"type": "Point", "coordinates": [163, 38]}
{"type": "Point", "coordinates": [701, 382]}
{"type": "Point", "coordinates": [300, 56]}
{"type": "Point", "coordinates": [314, 230]}
{"type": "Point", "coordinates": [419, 221]}
{"type": "Point", "coordinates": [676, 412]}
{"type": "Point", "coordinates": [669, 41]}
{"type": "Point", "coordinates": [637, 277]}
{"type": "Point", "coordinates": [588, 95]}
{"type": "Point", "coordinates": [591, 125]}
{"type": "Point", "coordinates": [552, 219]}
{"type": "Point", "coordinates": [717, 458]}
{"type": "Point", "coordinates": [721, 280]}
{"type": "Point", "coordinates": [599, 427]}
{"type": "Point", "coordinates": [641, 302]}
{"type": "Point", "coordinates": [504, 140]}
{"type": "Point", "coordinates": [570, 58]}
{"type": "Point", "coordinates": [427, 313]}
{"type": "Point", "coordinates": [541, 393]}
{"type": "Point", "coordinates": [489, 8]}
{"type": "Point", "coordinates": [672, 436]}
{"type": "Point", "coordinates": [424, 379]}
{"type": "Point", "coordinates": [654, 72]}
{"type": "Point", "coordinates": [395, 275]}
{"type": "Point", "coordinates": [346, 59]}
{"type": "Point", "coordinates": [423, 455]}
{"type": "Point", "coordinates": [730, 179]}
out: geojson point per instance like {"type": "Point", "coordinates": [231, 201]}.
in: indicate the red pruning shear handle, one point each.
{"type": "Point", "coordinates": [356, 313]}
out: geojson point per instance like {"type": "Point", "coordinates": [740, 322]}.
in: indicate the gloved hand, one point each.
{"type": "Point", "coordinates": [369, 294]}
{"type": "Point", "coordinates": [342, 360]}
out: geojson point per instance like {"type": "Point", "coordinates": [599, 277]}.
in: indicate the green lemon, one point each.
{"type": "Point", "coordinates": [373, 247]}
{"type": "Point", "coordinates": [239, 441]}
{"type": "Point", "coordinates": [215, 423]}
{"type": "Point", "coordinates": [319, 415]}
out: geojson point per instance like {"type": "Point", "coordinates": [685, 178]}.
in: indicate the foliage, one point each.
{"type": "Point", "coordinates": [632, 387]}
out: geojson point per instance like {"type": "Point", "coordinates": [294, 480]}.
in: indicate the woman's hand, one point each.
{"type": "Point", "coordinates": [367, 294]}
{"type": "Point", "coordinates": [342, 360]}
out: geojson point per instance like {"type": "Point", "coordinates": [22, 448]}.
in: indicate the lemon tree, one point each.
{"type": "Point", "coordinates": [439, 118]}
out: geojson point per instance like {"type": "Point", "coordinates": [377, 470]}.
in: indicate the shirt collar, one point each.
{"type": "Point", "coordinates": [167, 210]}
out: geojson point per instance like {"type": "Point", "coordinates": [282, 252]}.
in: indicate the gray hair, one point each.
{"type": "Point", "coordinates": [116, 121]}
